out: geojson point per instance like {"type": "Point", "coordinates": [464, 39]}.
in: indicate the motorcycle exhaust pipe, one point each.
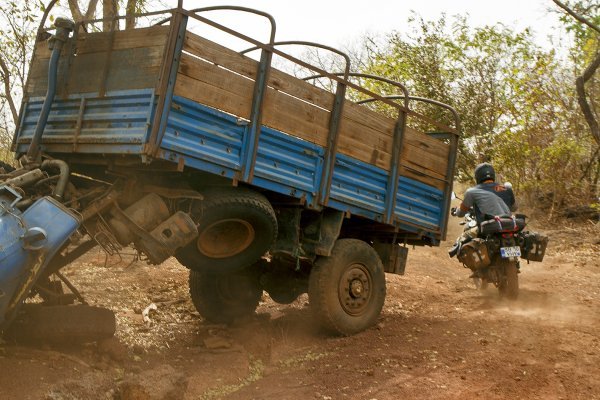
{"type": "Point", "coordinates": [63, 28]}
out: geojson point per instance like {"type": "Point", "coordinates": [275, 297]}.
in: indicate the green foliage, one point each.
{"type": "Point", "coordinates": [516, 101]}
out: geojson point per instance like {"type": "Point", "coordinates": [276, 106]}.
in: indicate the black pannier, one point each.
{"type": "Point", "coordinates": [533, 246]}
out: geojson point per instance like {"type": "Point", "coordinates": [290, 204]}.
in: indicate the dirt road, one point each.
{"type": "Point", "coordinates": [438, 337]}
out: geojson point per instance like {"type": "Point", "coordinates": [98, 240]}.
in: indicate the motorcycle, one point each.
{"type": "Point", "coordinates": [492, 250]}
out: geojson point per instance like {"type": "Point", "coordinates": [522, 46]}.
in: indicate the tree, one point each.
{"type": "Point", "coordinates": [587, 108]}
{"type": "Point", "coordinates": [516, 110]}
{"type": "Point", "coordinates": [16, 34]}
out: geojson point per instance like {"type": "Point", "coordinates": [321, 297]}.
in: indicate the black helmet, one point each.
{"type": "Point", "coordinates": [484, 172]}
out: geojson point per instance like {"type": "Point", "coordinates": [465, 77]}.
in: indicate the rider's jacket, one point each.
{"type": "Point", "coordinates": [488, 200]}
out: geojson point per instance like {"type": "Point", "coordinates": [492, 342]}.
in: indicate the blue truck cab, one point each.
{"type": "Point", "coordinates": [252, 178]}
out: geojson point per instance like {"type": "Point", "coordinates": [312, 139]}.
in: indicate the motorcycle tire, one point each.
{"type": "Point", "coordinates": [509, 282]}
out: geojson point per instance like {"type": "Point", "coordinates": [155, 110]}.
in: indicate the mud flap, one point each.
{"type": "Point", "coordinates": [393, 257]}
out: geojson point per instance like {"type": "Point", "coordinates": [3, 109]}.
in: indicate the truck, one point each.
{"type": "Point", "coordinates": [159, 139]}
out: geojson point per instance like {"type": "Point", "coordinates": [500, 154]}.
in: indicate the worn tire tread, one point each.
{"type": "Point", "coordinates": [217, 198]}
{"type": "Point", "coordinates": [322, 275]}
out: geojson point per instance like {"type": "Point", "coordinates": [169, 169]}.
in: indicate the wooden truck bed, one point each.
{"type": "Point", "coordinates": [165, 93]}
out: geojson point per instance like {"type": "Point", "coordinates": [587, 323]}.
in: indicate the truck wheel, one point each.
{"type": "Point", "coordinates": [236, 226]}
{"type": "Point", "coordinates": [223, 298]}
{"type": "Point", "coordinates": [62, 324]}
{"type": "Point", "coordinates": [509, 282]}
{"type": "Point", "coordinates": [347, 289]}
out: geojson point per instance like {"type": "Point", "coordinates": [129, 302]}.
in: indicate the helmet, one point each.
{"type": "Point", "coordinates": [484, 172]}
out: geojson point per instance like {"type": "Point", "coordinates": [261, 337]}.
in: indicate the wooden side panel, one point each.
{"type": "Point", "coordinates": [221, 78]}
{"type": "Point", "coordinates": [222, 89]}
{"type": "Point", "coordinates": [128, 59]}
{"type": "Point", "coordinates": [247, 67]}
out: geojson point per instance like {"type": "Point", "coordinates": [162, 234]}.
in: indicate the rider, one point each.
{"type": "Point", "coordinates": [488, 198]}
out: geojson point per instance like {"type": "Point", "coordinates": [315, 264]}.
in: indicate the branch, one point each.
{"type": "Point", "coordinates": [110, 9]}
{"type": "Point", "coordinates": [91, 9]}
{"type": "Point", "coordinates": [129, 14]}
{"type": "Point", "coordinates": [576, 16]}
{"type": "Point", "coordinates": [75, 10]}
{"type": "Point", "coordinates": [582, 98]}
{"type": "Point", "coordinates": [8, 95]}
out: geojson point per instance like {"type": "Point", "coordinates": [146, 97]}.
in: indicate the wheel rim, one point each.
{"type": "Point", "coordinates": [225, 238]}
{"type": "Point", "coordinates": [354, 289]}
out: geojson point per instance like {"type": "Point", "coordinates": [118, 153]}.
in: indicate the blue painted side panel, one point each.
{"type": "Point", "coordinates": [116, 123]}
{"type": "Point", "coordinates": [358, 187]}
{"type": "Point", "coordinates": [209, 140]}
{"type": "Point", "coordinates": [419, 204]}
{"type": "Point", "coordinates": [288, 165]}
{"type": "Point", "coordinates": [213, 141]}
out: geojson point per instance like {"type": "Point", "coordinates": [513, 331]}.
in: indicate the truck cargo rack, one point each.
{"type": "Point", "coordinates": [164, 94]}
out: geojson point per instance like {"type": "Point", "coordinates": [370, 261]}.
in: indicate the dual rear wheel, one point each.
{"type": "Point", "coordinates": [346, 290]}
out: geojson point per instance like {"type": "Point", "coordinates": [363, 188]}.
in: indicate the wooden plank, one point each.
{"type": "Point", "coordinates": [246, 66]}
{"type": "Point", "coordinates": [219, 55]}
{"type": "Point", "coordinates": [364, 134]}
{"type": "Point", "coordinates": [374, 131]}
{"type": "Point", "coordinates": [289, 115]}
{"type": "Point", "coordinates": [125, 72]}
{"type": "Point", "coordinates": [222, 89]}
{"type": "Point", "coordinates": [358, 136]}
{"type": "Point", "coordinates": [98, 42]}
{"type": "Point", "coordinates": [209, 84]}
{"type": "Point", "coordinates": [420, 177]}
{"type": "Point", "coordinates": [418, 159]}
{"type": "Point", "coordinates": [431, 145]}
{"type": "Point", "coordinates": [385, 126]}
{"type": "Point", "coordinates": [234, 98]}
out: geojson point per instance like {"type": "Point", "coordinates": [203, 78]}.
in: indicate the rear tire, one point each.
{"type": "Point", "coordinates": [347, 289]}
{"type": "Point", "coordinates": [509, 281]}
{"type": "Point", "coordinates": [223, 298]}
{"type": "Point", "coordinates": [236, 226]}
{"type": "Point", "coordinates": [480, 283]}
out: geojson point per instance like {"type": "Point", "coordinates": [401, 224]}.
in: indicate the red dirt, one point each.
{"type": "Point", "coordinates": [437, 337]}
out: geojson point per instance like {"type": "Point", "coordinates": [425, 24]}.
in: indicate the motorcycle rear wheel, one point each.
{"type": "Point", "coordinates": [480, 283]}
{"type": "Point", "coordinates": [509, 282]}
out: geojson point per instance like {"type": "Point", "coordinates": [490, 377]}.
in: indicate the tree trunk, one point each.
{"type": "Point", "coordinates": [78, 15]}
{"type": "Point", "coordinates": [586, 108]}
{"type": "Point", "coordinates": [129, 14]}
{"type": "Point", "coordinates": [110, 11]}
{"type": "Point", "coordinates": [5, 73]}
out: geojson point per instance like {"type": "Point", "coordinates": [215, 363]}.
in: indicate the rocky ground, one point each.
{"type": "Point", "coordinates": [438, 337]}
